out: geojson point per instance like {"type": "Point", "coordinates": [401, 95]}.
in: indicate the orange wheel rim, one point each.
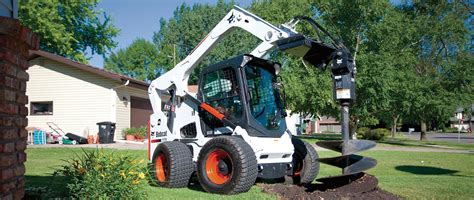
{"type": "Point", "coordinates": [299, 168]}
{"type": "Point", "coordinates": [219, 167]}
{"type": "Point", "coordinates": [160, 165]}
{"type": "Point", "coordinates": [298, 172]}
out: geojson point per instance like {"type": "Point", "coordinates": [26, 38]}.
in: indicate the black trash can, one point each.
{"type": "Point", "coordinates": [106, 132]}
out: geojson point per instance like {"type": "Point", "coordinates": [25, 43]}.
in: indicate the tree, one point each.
{"type": "Point", "coordinates": [441, 36]}
{"type": "Point", "coordinates": [390, 59]}
{"type": "Point", "coordinates": [371, 31]}
{"type": "Point", "coordinates": [69, 28]}
{"type": "Point", "coordinates": [139, 61]}
{"type": "Point", "coordinates": [188, 26]}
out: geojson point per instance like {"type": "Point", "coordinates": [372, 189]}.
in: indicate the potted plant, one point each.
{"type": "Point", "coordinates": [130, 133]}
{"type": "Point", "coordinates": [91, 139]}
{"type": "Point", "coordinates": [135, 134]}
{"type": "Point", "coordinates": [130, 137]}
{"type": "Point", "coordinates": [140, 134]}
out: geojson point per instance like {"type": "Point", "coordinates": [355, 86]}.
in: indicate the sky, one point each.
{"type": "Point", "coordinates": [140, 18]}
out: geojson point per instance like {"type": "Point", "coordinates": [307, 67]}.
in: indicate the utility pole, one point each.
{"type": "Point", "coordinates": [174, 55]}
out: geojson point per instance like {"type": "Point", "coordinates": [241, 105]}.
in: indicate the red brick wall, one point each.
{"type": "Point", "coordinates": [15, 41]}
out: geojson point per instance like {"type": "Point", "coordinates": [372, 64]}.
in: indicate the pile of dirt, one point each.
{"type": "Point", "coordinates": [360, 186]}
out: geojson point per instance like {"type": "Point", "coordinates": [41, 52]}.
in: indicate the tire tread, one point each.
{"type": "Point", "coordinates": [180, 162]}
{"type": "Point", "coordinates": [248, 163]}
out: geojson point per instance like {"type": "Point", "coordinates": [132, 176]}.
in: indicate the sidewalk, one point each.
{"type": "Point", "coordinates": [123, 144]}
{"type": "Point", "coordinates": [385, 147]}
{"type": "Point", "coordinates": [119, 144]}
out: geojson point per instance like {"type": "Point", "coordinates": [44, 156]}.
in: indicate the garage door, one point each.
{"type": "Point", "coordinates": [140, 112]}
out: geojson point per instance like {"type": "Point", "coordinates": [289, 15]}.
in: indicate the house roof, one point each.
{"type": "Point", "coordinates": [121, 78]}
{"type": "Point", "coordinates": [326, 120]}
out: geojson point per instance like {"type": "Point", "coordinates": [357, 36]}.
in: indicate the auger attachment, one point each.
{"type": "Point", "coordinates": [349, 162]}
{"type": "Point", "coordinates": [343, 71]}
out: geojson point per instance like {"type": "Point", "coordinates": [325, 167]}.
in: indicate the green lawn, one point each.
{"type": "Point", "coordinates": [41, 163]}
{"type": "Point", "coordinates": [413, 175]}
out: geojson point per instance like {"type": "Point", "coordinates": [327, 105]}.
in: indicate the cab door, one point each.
{"type": "Point", "coordinates": [221, 90]}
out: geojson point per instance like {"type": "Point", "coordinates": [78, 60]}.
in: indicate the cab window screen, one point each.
{"type": "Point", "coordinates": [221, 90]}
{"type": "Point", "coordinates": [264, 98]}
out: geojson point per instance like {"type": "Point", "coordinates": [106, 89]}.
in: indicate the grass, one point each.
{"type": "Point", "coordinates": [412, 175]}
{"type": "Point", "coordinates": [425, 175]}
{"type": "Point", "coordinates": [42, 162]}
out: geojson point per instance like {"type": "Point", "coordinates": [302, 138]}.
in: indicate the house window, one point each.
{"type": "Point", "coordinates": [41, 108]}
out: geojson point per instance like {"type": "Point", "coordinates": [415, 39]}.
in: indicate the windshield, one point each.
{"type": "Point", "coordinates": [265, 103]}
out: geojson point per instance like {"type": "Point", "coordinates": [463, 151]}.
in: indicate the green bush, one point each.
{"type": "Point", "coordinates": [372, 134]}
{"type": "Point", "coordinates": [99, 174]}
{"type": "Point", "coordinates": [139, 133]}
{"type": "Point", "coordinates": [378, 134]}
{"type": "Point", "coordinates": [361, 132]}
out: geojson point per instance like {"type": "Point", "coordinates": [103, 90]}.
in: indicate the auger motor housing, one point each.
{"type": "Point", "coordinates": [343, 72]}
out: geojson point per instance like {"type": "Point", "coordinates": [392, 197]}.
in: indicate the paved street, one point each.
{"type": "Point", "coordinates": [449, 137]}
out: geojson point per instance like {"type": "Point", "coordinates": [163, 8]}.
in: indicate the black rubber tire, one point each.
{"type": "Point", "coordinates": [179, 164]}
{"type": "Point", "coordinates": [306, 155]}
{"type": "Point", "coordinates": [244, 165]}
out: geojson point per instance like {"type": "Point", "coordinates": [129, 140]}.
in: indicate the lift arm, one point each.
{"type": "Point", "coordinates": [236, 18]}
{"type": "Point", "coordinates": [284, 37]}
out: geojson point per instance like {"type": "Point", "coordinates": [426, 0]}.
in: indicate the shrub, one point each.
{"type": "Point", "coordinates": [99, 174]}
{"type": "Point", "coordinates": [361, 132]}
{"type": "Point", "coordinates": [378, 134]}
{"type": "Point", "coordinates": [374, 134]}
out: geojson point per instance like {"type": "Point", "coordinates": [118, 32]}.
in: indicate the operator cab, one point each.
{"type": "Point", "coordinates": [245, 89]}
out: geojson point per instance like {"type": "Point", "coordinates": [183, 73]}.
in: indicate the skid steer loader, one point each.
{"type": "Point", "coordinates": [233, 130]}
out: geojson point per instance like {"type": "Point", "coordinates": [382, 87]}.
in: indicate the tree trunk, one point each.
{"type": "Point", "coordinates": [423, 131]}
{"type": "Point", "coordinates": [394, 125]}
{"type": "Point", "coordinates": [470, 125]}
{"type": "Point", "coordinates": [469, 117]}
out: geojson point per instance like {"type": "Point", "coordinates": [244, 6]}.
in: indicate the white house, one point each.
{"type": "Point", "coordinates": [76, 96]}
{"type": "Point", "coordinates": [462, 120]}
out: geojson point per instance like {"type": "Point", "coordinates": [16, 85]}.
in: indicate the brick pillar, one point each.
{"type": "Point", "coordinates": [15, 42]}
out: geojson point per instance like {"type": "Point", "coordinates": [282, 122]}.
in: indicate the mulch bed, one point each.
{"type": "Point", "coordinates": [362, 186]}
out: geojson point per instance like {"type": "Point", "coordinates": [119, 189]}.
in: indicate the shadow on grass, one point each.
{"type": "Point", "coordinates": [321, 136]}
{"type": "Point", "coordinates": [400, 143]}
{"type": "Point", "coordinates": [45, 187]}
{"type": "Point", "coordinates": [425, 170]}
{"type": "Point", "coordinates": [192, 185]}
